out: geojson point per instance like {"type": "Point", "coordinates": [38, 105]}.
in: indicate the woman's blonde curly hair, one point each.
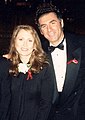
{"type": "Point", "coordinates": [38, 58]}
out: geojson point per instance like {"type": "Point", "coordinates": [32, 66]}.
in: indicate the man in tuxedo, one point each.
{"type": "Point", "coordinates": [65, 55]}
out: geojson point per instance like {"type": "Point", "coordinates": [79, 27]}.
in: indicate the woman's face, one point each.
{"type": "Point", "coordinates": [24, 43]}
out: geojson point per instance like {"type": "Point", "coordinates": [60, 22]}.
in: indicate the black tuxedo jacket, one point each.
{"type": "Point", "coordinates": [65, 106]}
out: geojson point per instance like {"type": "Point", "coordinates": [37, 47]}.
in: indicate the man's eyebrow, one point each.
{"type": "Point", "coordinates": [53, 21]}
{"type": "Point", "coordinates": [49, 22]}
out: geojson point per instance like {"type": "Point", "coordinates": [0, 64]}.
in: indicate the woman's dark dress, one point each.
{"type": "Point", "coordinates": [31, 99]}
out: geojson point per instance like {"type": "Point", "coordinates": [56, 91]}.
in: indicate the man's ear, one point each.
{"type": "Point", "coordinates": [41, 32]}
{"type": "Point", "coordinates": [62, 23]}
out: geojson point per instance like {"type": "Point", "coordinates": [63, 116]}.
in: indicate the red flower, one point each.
{"type": "Point", "coordinates": [73, 61]}
{"type": "Point", "coordinates": [29, 75]}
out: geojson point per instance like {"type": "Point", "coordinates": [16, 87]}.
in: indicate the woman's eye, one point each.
{"type": "Point", "coordinates": [20, 39]}
{"type": "Point", "coordinates": [30, 40]}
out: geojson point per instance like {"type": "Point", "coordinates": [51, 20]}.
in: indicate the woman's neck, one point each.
{"type": "Point", "coordinates": [24, 59]}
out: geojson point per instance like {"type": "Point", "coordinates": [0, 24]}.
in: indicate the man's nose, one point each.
{"type": "Point", "coordinates": [49, 28]}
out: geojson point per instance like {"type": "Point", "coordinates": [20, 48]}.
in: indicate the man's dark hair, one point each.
{"type": "Point", "coordinates": [46, 8]}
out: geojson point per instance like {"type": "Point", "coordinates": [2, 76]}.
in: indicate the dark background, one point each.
{"type": "Point", "coordinates": [15, 12]}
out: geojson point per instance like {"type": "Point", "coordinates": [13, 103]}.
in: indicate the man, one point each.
{"type": "Point", "coordinates": [67, 61]}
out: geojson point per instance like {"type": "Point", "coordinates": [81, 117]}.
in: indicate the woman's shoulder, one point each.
{"type": "Point", "coordinates": [47, 68]}
{"type": "Point", "coordinates": [3, 59]}
{"type": "Point", "coordinates": [4, 62]}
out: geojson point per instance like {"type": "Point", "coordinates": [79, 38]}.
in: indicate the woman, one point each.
{"type": "Point", "coordinates": [30, 75]}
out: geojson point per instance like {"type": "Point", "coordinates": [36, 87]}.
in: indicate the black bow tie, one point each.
{"type": "Point", "coordinates": [52, 48]}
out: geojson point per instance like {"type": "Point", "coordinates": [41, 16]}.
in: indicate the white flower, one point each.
{"type": "Point", "coordinates": [22, 67]}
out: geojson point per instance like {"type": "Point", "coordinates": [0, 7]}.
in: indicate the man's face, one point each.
{"type": "Point", "coordinates": [51, 27]}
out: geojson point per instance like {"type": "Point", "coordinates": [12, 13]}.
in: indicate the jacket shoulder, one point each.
{"type": "Point", "coordinates": [4, 63]}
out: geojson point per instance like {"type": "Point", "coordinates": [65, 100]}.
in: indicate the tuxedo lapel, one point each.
{"type": "Point", "coordinates": [71, 72]}
{"type": "Point", "coordinates": [55, 96]}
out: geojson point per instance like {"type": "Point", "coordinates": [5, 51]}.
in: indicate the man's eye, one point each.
{"type": "Point", "coordinates": [43, 26]}
{"type": "Point", "coordinates": [53, 22]}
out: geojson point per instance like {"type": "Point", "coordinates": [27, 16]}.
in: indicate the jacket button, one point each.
{"type": "Point", "coordinates": [75, 93]}
{"type": "Point", "coordinates": [69, 109]}
{"type": "Point", "coordinates": [57, 111]}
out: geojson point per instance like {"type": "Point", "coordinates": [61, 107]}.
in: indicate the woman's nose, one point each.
{"type": "Point", "coordinates": [24, 43]}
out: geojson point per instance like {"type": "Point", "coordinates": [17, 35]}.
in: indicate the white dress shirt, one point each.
{"type": "Point", "coordinates": [59, 58]}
